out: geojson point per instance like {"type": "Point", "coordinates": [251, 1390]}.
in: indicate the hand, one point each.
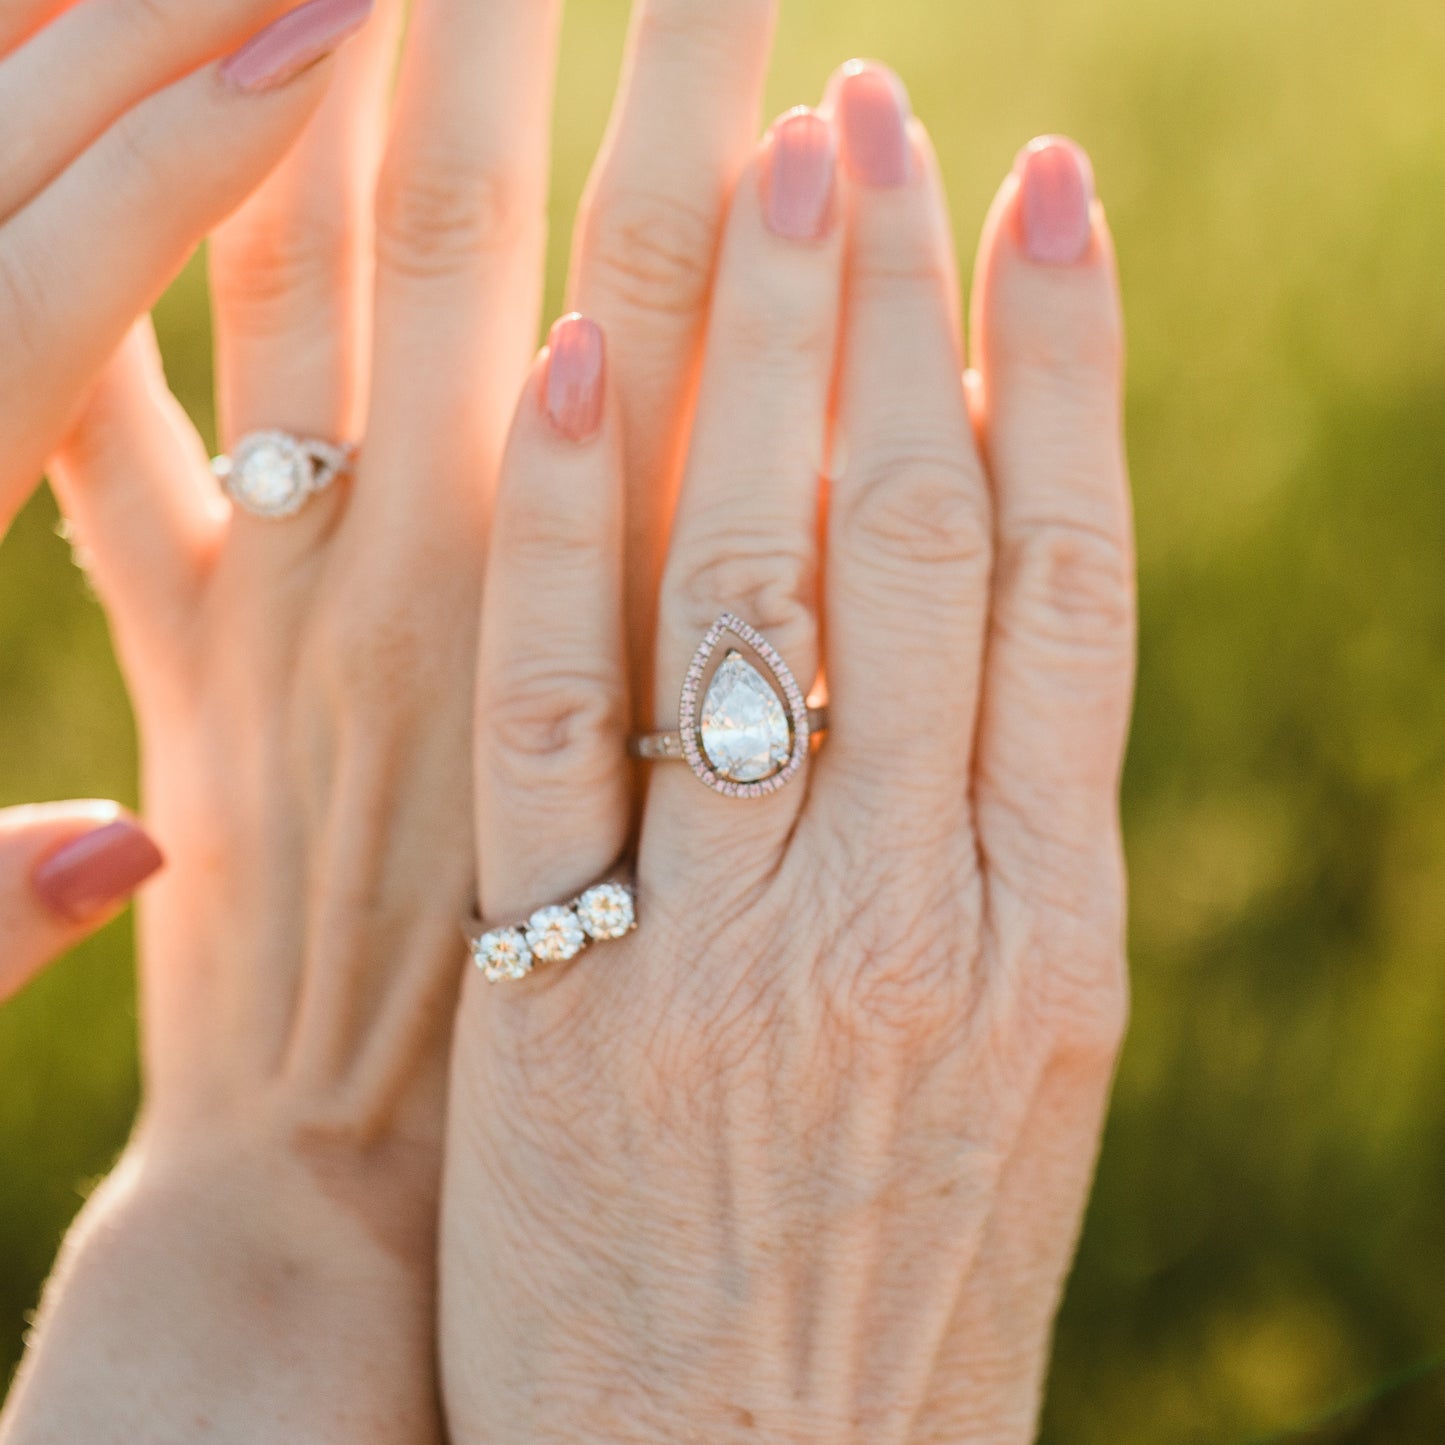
{"type": "Point", "coordinates": [304, 691]}
{"type": "Point", "coordinates": [804, 1157]}
{"type": "Point", "coordinates": [94, 222]}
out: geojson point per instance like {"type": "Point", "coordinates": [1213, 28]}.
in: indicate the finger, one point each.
{"type": "Point", "coordinates": [552, 688]}
{"type": "Point", "coordinates": [745, 536]}
{"type": "Point", "coordinates": [461, 220]}
{"type": "Point", "coordinates": [683, 129]}
{"type": "Point", "coordinates": [134, 485]}
{"type": "Point", "coordinates": [99, 245]}
{"type": "Point", "coordinates": [57, 100]}
{"type": "Point", "coordinates": [291, 281]}
{"type": "Point", "coordinates": [65, 869]}
{"type": "Point", "coordinates": [908, 520]}
{"type": "Point", "coordinates": [290, 271]}
{"type": "Point", "coordinates": [1057, 688]}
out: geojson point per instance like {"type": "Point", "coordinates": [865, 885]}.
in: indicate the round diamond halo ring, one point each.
{"type": "Point", "coordinates": [273, 474]}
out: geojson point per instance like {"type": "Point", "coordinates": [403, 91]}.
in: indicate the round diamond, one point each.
{"type": "Point", "coordinates": [269, 475]}
{"type": "Point", "coordinates": [503, 954]}
{"type": "Point", "coordinates": [554, 935]}
{"type": "Point", "coordinates": [607, 911]}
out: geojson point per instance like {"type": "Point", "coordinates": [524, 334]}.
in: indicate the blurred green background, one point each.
{"type": "Point", "coordinates": [1265, 1254]}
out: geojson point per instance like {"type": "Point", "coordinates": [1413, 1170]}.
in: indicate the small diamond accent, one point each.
{"type": "Point", "coordinates": [606, 911]}
{"type": "Point", "coordinates": [554, 935]}
{"type": "Point", "coordinates": [503, 954]}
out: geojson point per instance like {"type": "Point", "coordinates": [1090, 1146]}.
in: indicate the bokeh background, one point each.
{"type": "Point", "coordinates": [1265, 1253]}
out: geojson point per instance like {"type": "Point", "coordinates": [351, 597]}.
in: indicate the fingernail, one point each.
{"type": "Point", "coordinates": [576, 363]}
{"type": "Point", "coordinates": [90, 874]}
{"type": "Point", "coordinates": [798, 166]}
{"type": "Point", "coordinates": [295, 43]}
{"type": "Point", "coordinates": [874, 109]}
{"type": "Point", "coordinates": [1056, 196]}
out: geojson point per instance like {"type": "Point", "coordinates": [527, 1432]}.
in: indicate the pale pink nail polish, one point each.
{"type": "Point", "coordinates": [1056, 197]}
{"type": "Point", "coordinates": [799, 165]}
{"type": "Point", "coordinates": [873, 110]}
{"type": "Point", "coordinates": [93, 873]}
{"type": "Point", "coordinates": [294, 43]}
{"type": "Point", "coordinates": [576, 369]}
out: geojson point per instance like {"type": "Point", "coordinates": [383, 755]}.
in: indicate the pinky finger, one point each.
{"type": "Point", "coordinates": [65, 869]}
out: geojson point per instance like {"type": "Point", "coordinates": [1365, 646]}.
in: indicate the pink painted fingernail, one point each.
{"type": "Point", "coordinates": [1056, 197]}
{"type": "Point", "coordinates": [295, 43]}
{"type": "Point", "coordinates": [576, 367]}
{"type": "Point", "coordinates": [798, 168]}
{"type": "Point", "coordinates": [874, 110]}
{"type": "Point", "coordinates": [92, 873]}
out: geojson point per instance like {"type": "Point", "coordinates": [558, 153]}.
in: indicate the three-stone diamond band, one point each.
{"type": "Point", "coordinates": [273, 474]}
{"type": "Point", "coordinates": [556, 934]}
{"type": "Point", "coordinates": [744, 730]}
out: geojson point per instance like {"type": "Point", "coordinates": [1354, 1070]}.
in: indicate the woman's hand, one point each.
{"type": "Point", "coordinates": [305, 689]}
{"type": "Point", "coordinates": [111, 174]}
{"type": "Point", "coordinates": [804, 1157]}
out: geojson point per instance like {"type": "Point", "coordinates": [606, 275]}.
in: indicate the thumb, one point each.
{"type": "Point", "coordinates": [65, 868]}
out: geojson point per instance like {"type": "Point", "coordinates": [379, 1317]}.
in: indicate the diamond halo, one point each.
{"type": "Point", "coordinates": [733, 736]}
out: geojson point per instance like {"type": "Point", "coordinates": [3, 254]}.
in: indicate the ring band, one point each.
{"type": "Point", "coordinates": [273, 474]}
{"type": "Point", "coordinates": [744, 730]}
{"type": "Point", "coordinates": [556, 934]}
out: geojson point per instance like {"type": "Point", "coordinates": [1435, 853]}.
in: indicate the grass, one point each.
{"type": "Point", "coordinates": [1263, 1251]}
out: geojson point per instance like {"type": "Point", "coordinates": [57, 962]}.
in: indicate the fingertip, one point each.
{"type": "Point", "coordinates": [873, 112]}
{"type": "Point", "coordinates": [82, 878]}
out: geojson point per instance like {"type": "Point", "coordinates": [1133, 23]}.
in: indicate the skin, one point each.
{"type": "Point", "coordinates": [305, 704]}
{"type": "Point", "coordinates": [804, 1157]}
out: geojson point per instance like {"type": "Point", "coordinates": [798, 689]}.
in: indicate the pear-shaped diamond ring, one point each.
{"type": "Point", "coordinates": [743, 728]}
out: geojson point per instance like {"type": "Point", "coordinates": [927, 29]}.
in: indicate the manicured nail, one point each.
{"type": "Point", "coordinates": [576, 365]}
{"type": "Point", "coordinates": [798, 168]}
{"type": "Point", "coordinates": [1056, 196]}
{"type": "Point", "coordinates": [91, 874]}
{"type": "Point", "coordinates": [874, 109]}
{"type": "Point", "coordinates": [295, 43]}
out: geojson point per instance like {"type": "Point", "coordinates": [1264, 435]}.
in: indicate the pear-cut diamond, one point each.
{"type": "Point", "coordinates": [744, 729]}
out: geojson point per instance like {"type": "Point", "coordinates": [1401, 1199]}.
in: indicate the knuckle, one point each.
{"type": "Point", "coordinates": [711, 37]}
{"type": "Point", "coordinates": [1072, 585]}
{"type": "Point", "coordinates": [924, 507]}
{"type": "Point", "coordinates": [906, 968]}
{"type": "Point", "coordinates": [769, 583]}
{"type": "Point", "coordinates": [772, 319]}
{"type": "Point", "coordinates": [442, 213]}
{"type": "Point", "coordinates": [534, 718]}
{"type": "Point", "coordinates": [650, 250]}
{"type": "Point", "coordinates": [1076, 338]}
{"type": "Point", "coordinates": [267, 267]}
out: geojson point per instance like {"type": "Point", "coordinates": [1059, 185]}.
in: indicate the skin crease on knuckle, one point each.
{"type": "Point", "coordinates": [649, 250]}
{"type": "Point", "coordinates": [437, 215]}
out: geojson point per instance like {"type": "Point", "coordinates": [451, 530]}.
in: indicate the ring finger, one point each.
{"type": "Point", "coordinates": [745, 535]}
{"type": "Point", "coordinates": [290, 277]}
